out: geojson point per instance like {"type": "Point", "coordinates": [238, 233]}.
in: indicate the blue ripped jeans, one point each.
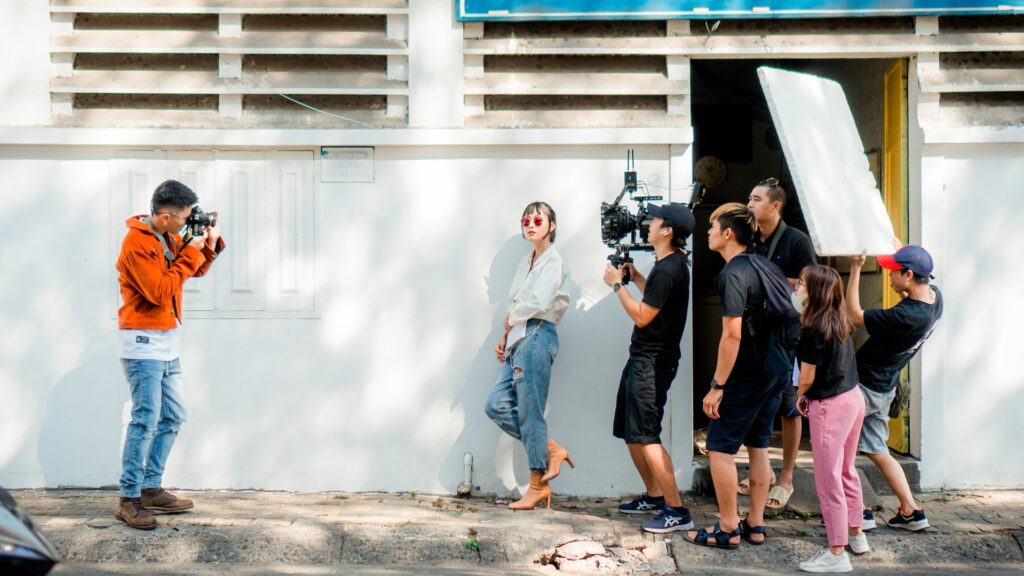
{"type": "Point", "coordinates": [158, 412]}
{"type": "Point", "coordinates": [517, 402]}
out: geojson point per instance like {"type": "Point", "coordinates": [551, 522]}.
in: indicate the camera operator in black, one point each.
{"type": "Point", "coordinates": [791, 250]}
{"type": "Point", "coordinates": [653, 358]}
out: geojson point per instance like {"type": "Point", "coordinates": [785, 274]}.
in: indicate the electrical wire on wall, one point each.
{"type": "Point", "coordinates": [331, 114]}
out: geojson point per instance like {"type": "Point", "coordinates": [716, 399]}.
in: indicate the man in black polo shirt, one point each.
{"type": "Point", "coordinates": [896, 334]}
{"type": "Point", "coordinates": [791, 250]}
{"type": "Point", "coordinates": [653, 358]}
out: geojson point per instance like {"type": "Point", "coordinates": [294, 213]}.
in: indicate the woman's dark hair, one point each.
{"type": "Point", "coordinates": [545, 209]}
{"type": "Point", "coordinates": [825, 311]}
{"type": "Point", "coordinates": [172, 194]}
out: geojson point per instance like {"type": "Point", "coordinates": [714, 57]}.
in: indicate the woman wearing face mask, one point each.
{"type": "Point", "coordinates": [536, 303]}
{"type": "Point", "coordinates": [832, 402]}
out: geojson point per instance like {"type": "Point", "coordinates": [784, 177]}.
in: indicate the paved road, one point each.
{"type": "Point", "coordinates": [234, 569]}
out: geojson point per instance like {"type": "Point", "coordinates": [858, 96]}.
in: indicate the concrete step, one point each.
{"type": "Point", "coordinates": [805, 500]}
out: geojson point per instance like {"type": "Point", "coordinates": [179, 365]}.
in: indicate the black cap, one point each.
{"type": "Point", "coordinates": [676, 215]}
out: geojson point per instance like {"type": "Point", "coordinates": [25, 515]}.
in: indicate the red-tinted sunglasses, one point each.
{"type": "Point", "coordinates": [538, 221]}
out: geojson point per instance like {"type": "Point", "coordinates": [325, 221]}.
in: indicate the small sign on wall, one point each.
{"type": "Point", "coordinates": [346, 164]}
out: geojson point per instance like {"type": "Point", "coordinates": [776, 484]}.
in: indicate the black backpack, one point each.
{"type": "Point", "coordinates": [778, 308]}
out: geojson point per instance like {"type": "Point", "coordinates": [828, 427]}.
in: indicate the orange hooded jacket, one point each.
{"type": "Point", "coordinates": [150, 286]}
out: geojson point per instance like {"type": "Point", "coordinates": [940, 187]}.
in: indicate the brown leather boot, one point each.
{"type": "Point", "coordinates": [131, 512]}
{"type": "Point", "coordinates": [538, 491]}
{"type": "Point", "coordinates": [160, 501]}
{"type": "Point", "coordinates": [556, 454]}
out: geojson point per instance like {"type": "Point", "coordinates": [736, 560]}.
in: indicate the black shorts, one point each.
{"type": "Point", "coordinates": [787, 408]}
{"type": "Point", "coordinates": [746, 414]}
{"type": "Point", "coordinates": [640, 403]}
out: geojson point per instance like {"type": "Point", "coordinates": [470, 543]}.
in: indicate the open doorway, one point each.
{"type": "Point", "coordinates": [736, 145]}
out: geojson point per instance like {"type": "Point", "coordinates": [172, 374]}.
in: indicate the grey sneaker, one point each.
{"type": "Point", "coordinates": [859, 544]}
{"type": "Point", "coordinates": [826, 561]}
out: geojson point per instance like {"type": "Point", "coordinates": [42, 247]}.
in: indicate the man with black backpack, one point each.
{"type": "Point", "coordinates": [752, 369]}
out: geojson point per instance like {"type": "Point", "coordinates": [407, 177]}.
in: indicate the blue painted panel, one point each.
{"type": "Point", "coordinates": [492, 10]}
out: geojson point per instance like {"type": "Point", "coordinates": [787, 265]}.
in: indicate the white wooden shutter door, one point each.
{"type": "Point", "coordinates": [241, 270]}
{"type": "Point", "coordinates": [291, 231]}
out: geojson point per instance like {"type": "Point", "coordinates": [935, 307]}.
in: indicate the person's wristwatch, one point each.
{"type": "Point", "coordinates": [715, 385]}
{"type": "Point", "coordinates": [616, 286]}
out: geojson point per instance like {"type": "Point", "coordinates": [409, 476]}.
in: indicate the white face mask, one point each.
{"type": "Point", "coordinates": [798, 300]}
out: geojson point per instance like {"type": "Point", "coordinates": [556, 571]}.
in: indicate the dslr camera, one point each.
{"type": "Point", "coordinates": [617, 222]}
{"type": "Point", "coordinates": [198, 221]}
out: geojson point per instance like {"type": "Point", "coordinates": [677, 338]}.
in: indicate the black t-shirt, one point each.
{"type": "Point", "coordinates": [793, 252]}
{"type": "Point", "coordinates": [836, 363]}
{"type": "Point", "coordinates": [668, 290]}
{"type": "Point", "coordinates": [896, 335]}
{"type": "Point", "coordinates": [762, 343]}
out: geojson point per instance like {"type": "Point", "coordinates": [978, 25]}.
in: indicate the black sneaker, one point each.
{"type": "Point", "coordinates": [869, 521]}
{"type": "Point", "coordinates": [915, 522]}
{"type": "Point", "coordinates": [643, 504]}
{"type": "Point", "coordinates": [669, 521]}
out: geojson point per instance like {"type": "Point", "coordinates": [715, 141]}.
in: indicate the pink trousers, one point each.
{"type": "Point", "coordinates": [835, 431]}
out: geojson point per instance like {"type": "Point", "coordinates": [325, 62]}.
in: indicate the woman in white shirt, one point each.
{"type": "Point", "coordinates": [536, 303]}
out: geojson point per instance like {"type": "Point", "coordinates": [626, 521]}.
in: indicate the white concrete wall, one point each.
{"type": "Point", "coordinates": [973, 380]}
{"type": "Point", "coordinates": [385, 391]}
{"type": "Point", "coordinates": [25, 67]}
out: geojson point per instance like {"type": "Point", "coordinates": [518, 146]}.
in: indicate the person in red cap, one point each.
{"type": "Point", "coordinates": [896, 334]}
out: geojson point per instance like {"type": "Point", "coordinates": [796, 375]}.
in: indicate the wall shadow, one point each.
{"type": "Point", "coordinates": [479, 435]}
{"type": "Point", "coordinates": [83, 412]}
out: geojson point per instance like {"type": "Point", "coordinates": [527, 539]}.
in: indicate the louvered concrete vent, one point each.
{"type": "Point", "coordinates": [983, 88]}
{"type": "Point", "coordinates": [575, 74]}
{"type": "Point", "coordinates": [229, 63]}
{"type": "Point", "coordinates": [634, 73]}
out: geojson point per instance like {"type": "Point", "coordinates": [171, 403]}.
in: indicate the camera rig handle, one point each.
{"type": "Point", "coordinates": [620, 257]}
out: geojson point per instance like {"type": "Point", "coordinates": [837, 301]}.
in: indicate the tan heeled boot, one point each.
{"type": "Point", "coordinates": [556, 454]}
{"type": "Point", "coordinates": [539, 490]}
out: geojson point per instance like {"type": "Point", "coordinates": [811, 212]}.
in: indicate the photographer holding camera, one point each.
{"type": "Point", "coordinates": [653, 358]}
{"type": "Point", "coordinates": [153, 265]}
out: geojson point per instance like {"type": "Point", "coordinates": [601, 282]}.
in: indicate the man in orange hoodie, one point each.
{"type": "Point", "coordinates": [153, 265]}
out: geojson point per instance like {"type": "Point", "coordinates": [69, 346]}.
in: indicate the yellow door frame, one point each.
{"type": "Point", "coordinates": [895, 195]}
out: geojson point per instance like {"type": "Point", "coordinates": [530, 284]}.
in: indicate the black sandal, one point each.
{"type": "Point", "coordinates": [747, 530]}
{"type": "Point", "coordinates": [716, 539]}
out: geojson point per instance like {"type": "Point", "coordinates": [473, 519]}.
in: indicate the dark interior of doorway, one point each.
{"type": "Point", "coordinates": [732, 124]}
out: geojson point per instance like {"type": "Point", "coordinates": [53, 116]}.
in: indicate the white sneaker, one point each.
{"type": "Point", "coordinates": [859, 544]}
{"type": "Point", "coordinates": [826, 561]}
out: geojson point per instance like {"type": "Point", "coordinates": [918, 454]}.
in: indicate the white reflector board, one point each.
{"type": "Point", "coordinates": [838, 195]}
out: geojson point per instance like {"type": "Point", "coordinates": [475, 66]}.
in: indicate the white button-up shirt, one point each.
{"type": "Point", "coordinates": [539, 292]}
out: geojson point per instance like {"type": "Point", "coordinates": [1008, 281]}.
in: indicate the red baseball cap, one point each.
{"type": "Point", "coordinates": [910, 257]}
